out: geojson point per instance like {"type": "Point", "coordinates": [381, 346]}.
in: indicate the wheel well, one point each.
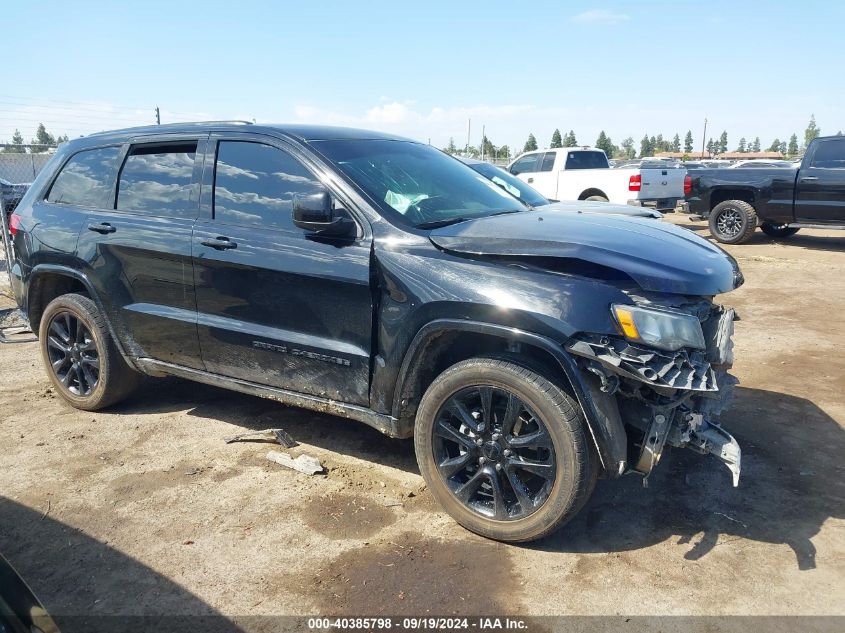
{"type": "Point", "coordinates": [447, 348]}
{"type": "Point", "coordinates": [592, 192]}
{"type": "Point", "coordinates": [720, 195]}
{"type": "Point", "coordinates": [46, 287]}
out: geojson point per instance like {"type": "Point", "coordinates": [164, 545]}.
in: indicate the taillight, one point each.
{"type": "Point", "coordinates": [635, 183]}
{"type": "Point", "coordinates": [14, 223]}
{"type": "Point", "coordinates": [687, 184]}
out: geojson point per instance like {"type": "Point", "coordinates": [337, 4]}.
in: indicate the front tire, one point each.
{"type": "Point", "coordinates": [596, 199]}
{"type": "Point", "coordinates": [80, 356]}
{"type": "Point", "coordinates": [503, 450]}
{"type": "Point", "coordinates": [733, 221]}
{"type": "Point", "coordinates": [778, 231]}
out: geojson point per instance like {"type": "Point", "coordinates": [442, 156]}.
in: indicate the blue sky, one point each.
{"type": "Point", "coordinates": [421, 69]}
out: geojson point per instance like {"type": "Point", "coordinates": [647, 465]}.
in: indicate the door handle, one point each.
{"type": "Point", "coordinates": [809, 178]}
{"type": "Point", "coordinates": [220, 243]}
{"type": "Point", "coordinates": [530, 180]}
{"type": "Point", "coordinates": [102, 227]}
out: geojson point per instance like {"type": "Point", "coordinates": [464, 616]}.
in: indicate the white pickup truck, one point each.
{"type": "Point", "coordinates": [583, 173]}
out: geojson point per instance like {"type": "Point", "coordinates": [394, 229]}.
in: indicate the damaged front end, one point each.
{"type": "Point", "coordinates": [670, 381]}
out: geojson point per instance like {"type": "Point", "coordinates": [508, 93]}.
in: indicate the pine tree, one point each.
{"type": "Point", "coordinates": [557, 141]}
{"type": "Point", "coordinates": [775, 146]}
{"type": "Point", "coordinates": [723, 142]}
{"type": "Point", "coordinates": [43, 138]}
{"type": "Point", "coordinates": [711, 147]}
{"type": "Point", "coordinates": [17, 144]}
{"type": "Point", "coordinates": [530, 144]}
{"type": "Point", "coordinates": [792, 150]}
{"type": "Point", "coordinates": [504, 152]}
{"type": "Point", "coordinates": [603, 142]}
{"type": "Point", "coordinates": [450, 148]}
{"type": "Point", "coordinates": [646, 147]}
{"type": "Point", "coordinates": [688, 142]}
{"type": "Point", "coordinates": [628, 148]}
{"type": "Point", "coordinates": [570, 140]}
{"type": "Point", "coordinates": [676, 143]}
{"type": "Point", "coordinates": [782, 148]}
{"type": "Point", "coordinates": [755, 146]}
{"type": "Point", "coordinates": [742, 147]}
{"type": "Point", "coordinates": [811, 132]}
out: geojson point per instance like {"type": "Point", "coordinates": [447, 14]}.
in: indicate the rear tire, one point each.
{"type": "Point", "coordinates": [733, 221]}
{"type": "Point", "coordinates": [778, 231]}
{"type": "Point", "coordinates": [80, 356]}
{"type": "Point", "coordinates": [514, 469]}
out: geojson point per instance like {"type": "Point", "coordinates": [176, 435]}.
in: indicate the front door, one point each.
{"type": "Point", "coordinates": [820, 190]}
{"type": "Point", "coordinates": [277, 306]}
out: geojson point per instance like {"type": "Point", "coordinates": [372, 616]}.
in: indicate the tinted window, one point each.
{"type": "Point", "coordinates": [830, 155]}
{"type": "Point", "coordinates": [586, 160]}
{"type": "Point", "coordinates": [525, 164]}
{"type": "Point", "coordinates": [87, 178]}
{"type": "Point", "coordinates": [255, 184]}
{"type": "Point", "coordinates": [548, 161]}
{"type": "Point", "coordinates": [157, 179]}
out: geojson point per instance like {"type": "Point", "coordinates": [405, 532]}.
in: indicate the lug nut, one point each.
{"type": "Point", "coordinates": [508, 452]}
{"type": "Point", "coordinates": [479, 442]}
{"type": "Point", "coordinates": [496, 436]}
{"type": "Point", "coordinates": [498, 467]}
{"type": "Point", "coordinates": [482, 459]}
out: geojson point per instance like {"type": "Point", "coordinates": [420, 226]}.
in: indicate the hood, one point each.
{"type": "Point", "coordinates": [658, 256]}
{"type": "Point", "coordinates": [592, 206]}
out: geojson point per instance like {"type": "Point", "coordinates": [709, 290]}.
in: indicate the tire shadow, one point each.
{"type": "Point", "coordinates": [791, 483]}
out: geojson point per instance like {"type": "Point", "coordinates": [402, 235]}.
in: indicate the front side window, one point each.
{"type": "Point", "coordinates": [548, 161]}
{"type": "Point", "coordinates": [525, 165]}
{"type": "Point", "coordinates": [87, 178]}
{"type": "Point", "coordinates": [255, 184]}
{"type": "Point", "coordinates": [829, 155]}
{"type": "Point", "coordinates": [158, 180]}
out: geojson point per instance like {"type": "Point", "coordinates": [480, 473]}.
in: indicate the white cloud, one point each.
{"type": "Point", "coordinates": [600, 16]}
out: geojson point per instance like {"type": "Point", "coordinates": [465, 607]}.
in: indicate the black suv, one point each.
{"type": "Point", "coordinates": [526, 351]}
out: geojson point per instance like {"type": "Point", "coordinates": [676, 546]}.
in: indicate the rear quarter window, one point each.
{"type": "Point", "coordinates": [586, 160]}
{"type": "Point", "coordinates": [87, 179]}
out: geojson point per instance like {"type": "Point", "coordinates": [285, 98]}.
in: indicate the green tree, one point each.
{"type": "Point", "coordinates": [723, 142]}
{"type": "Point", "coordinates": [676, 143]}
{"type": "Point", "coordinates": [628, 150]}
{"type": "Point", "coordinates": [688, 142]}
{"type": "Point", "coordinates": [43, 138]}
{"type": "Point", "coordinates": [557, 141]}
{"type": "Point", "coordinates": [503, 152]}
{"type": "Point", "coordinates": [782, 148]}
{"type": "Point", "coordinates": [811, 132]}
{"type": "Point", "coordinates": [775, 146]}
{"type": "Point", "coordinates": [17, 144]}
{"type": "Point", "coordinates": [755, 146]}
{"type": "Point", "coordinates": [570, 140]}
{"type": "Point", "coordinates": [450, 148]}
{"type": "Point", "coordinates": [646, 147]}
{"type": "Point", "coordinates": [792, 149]}
{"type": "Point", "coordinates": [712, 148]}
{"type": "Point", "coordinates": [530, 144]}
{"type": "Point", "coordinates": [488, 150]}
{"type": "Point", "coordinates": [603, 142]}
{"type": "Point", "coordinates": [741, 147]}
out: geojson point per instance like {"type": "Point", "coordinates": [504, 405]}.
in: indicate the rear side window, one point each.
{"type": "Point", "coordinates": [548, 161]}
{"type": "Point", "coordinates": [87, 178]}
{"type": "Point", "coordinates": [829, 155]}
{"type": "Point", "coordinates": [158, 180]}
{"type": "Point", "coordinates": [255, 184]}
{"type": "Point", "coordinates": [524, 165]}
{"type": "Point", "coordinates": [586, 160]}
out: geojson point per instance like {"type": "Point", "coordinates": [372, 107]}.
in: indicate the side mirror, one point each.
{"type": "Point", "coordinates": [315, 212]}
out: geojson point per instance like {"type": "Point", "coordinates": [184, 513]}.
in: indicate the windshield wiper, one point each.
{"type": "Point", "coordinates": [436, 224]}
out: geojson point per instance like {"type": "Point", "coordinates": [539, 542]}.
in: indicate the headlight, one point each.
{"type": "Point", "coordinates": [664, 330]}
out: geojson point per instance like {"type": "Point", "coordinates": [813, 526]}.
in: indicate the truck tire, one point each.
{"type": "Point", "coordinates": [504, 450]}
{"type": "Point", "coordinates": [733, 221]}
{"type": "Point", "coordinates": [81, 357]}
{"type": "Point", "coordinates": [596, 199]}
{"type": "Point", "coordinates": [778, 230]}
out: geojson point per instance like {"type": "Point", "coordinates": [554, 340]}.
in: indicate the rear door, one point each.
{"type": "Point", "coordinates": [526, 168]}
{"type": "Point", "coordinates": [820, 190]}
{"type": "Point", "coordinates": [276, 305]}
{"type": "Point", "coordinates": [544, 179]}
{"type": "Point", "coordinates": [139, 251]}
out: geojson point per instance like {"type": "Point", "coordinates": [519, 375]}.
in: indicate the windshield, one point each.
{"type": "Point", "coordinates": [417, 184]}
{"type": "Point", "coordinates": [510, 183]}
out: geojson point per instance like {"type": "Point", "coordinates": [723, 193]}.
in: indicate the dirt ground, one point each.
{"type": "Point", "coordinates": [143, 509]}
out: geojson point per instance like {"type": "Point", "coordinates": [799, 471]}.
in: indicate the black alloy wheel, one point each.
{"type": "Point", "coordinates": [494, 453]}
{"type": "Point", "coordinates": [73, 353]}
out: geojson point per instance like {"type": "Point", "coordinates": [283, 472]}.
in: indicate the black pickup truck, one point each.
{"type": "Point", "coordinates": [779, 201]}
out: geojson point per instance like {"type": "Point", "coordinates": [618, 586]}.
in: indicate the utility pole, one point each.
{"type": "Point", "coordinates": [704, 138]}
{"type": "Point", "coordinates": [158, 116]}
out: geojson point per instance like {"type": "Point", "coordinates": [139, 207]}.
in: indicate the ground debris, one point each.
{"type": "Point", "coordinates": [279, 436]}
{"type": "Point", "coordinates": [304, 463]}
